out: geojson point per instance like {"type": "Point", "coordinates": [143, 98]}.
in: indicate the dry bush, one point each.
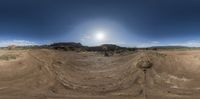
{"type": "Point", "coordinates": [8, 57]}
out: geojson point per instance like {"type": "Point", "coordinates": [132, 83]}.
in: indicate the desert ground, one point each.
{"type": "Point", "coordinates": [55, 74]}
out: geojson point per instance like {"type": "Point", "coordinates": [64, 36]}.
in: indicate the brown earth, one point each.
{"type": "Point", "coordinates": [53, 74]}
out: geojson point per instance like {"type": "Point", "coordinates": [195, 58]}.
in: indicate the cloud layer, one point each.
{"type": "Point", "coordinates": [192, 43]}
{"type": "Point", "coordinates": [17, 42]}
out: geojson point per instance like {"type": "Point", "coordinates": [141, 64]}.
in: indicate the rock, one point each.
{"type": "Point", "coordinates": [144, 64]}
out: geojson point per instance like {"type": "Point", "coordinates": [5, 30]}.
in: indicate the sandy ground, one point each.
{"type": "Point", "coordinates": [52, 74]}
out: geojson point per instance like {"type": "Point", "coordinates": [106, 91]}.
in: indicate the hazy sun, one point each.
{"type": "Point", "coordinates": [100, 36]}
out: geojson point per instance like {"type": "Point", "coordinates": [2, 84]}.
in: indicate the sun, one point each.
{"type": "Point", "coordinates": [100, 36]}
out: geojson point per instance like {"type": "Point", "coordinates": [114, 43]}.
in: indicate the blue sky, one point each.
{"type": "Point", "coordinates": [135, 23]}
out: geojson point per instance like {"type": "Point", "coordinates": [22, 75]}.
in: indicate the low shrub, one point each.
{"type": "Point", "coordinates": [8, 57]}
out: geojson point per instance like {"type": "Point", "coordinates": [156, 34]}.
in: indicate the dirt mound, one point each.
{"type": "Point", "coordinates": [175, 73]}
{"type": "Point", "coordinates": [46, 73]}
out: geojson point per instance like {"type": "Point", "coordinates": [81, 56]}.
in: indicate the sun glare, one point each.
{"type": "Point", "coordinates": [100, 36]}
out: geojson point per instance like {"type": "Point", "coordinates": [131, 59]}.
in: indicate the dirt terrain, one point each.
{"type": "Point", "coordinates": [54, 74]}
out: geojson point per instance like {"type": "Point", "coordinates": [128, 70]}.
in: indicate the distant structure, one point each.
{"type": "Point", "coordinates": [10, 47]}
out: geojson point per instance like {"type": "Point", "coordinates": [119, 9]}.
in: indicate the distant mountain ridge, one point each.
{"type": "Point", "coordinates": [73, 46]}
{"type": "Point", "coordinates": [79, 46]}
{"type": "Point", "coordinates": [169, 47]}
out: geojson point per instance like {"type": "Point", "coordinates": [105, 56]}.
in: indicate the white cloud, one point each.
{"type": "Point", "coordinates": [16, 42]}
{"type": "Point", "coordinates": [192, 43]}
{"type": "Point", "coordinates": [148, 44]}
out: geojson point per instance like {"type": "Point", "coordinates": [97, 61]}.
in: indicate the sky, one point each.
{"type": "Point", "coordinates": [132, 23]}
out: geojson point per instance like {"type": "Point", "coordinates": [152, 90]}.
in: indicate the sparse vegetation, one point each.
{"type": "Point", "coordinates": [8, 57]}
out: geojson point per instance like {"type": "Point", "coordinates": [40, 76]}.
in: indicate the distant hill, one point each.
{"type": "Point", "coordinates": [110, 47]}
{"type": "Point", "coordinates": [68, 46]}
{"type": "Point", "coordinates": [72, 46]}
{"type": "Point", "coordinates": [169, 47]}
